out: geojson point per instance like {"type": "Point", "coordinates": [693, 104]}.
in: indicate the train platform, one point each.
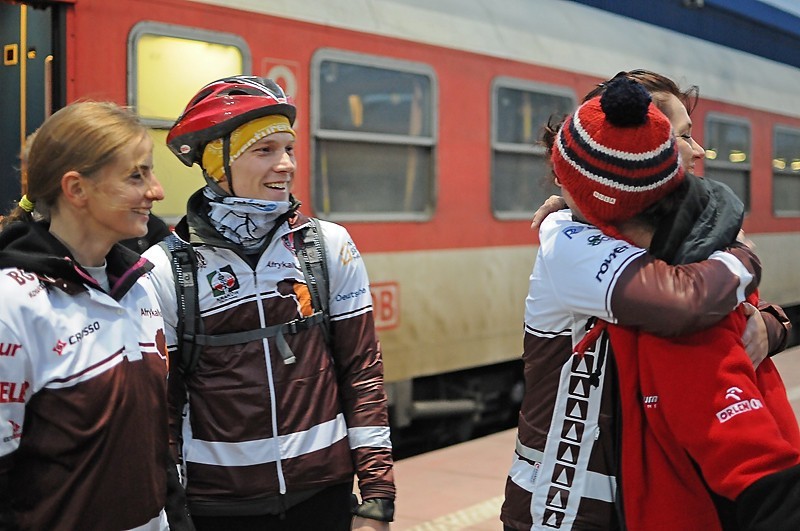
{"type": "Point", "coordinates": [460, 488]}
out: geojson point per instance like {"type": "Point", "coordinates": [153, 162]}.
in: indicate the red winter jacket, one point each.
{"type": "Point", "coordinates": [695, 402]}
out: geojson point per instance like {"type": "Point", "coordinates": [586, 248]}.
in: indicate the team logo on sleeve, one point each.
{"type": "Point", "coordinates": [349, 253]}
{"type": "Point", "coordinates": [569, 232]}
{"type": "Point", "coordinates": [223, 282]}
{"type": "Point", "coordinates": [597, 239]}
{"type": "Point", "coordinates": [16, 432]}
{"type": "Point", "coordinates": [59, 348]}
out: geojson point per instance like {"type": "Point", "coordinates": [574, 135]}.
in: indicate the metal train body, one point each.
{"type": "Point", "coordinates": [443, 200]}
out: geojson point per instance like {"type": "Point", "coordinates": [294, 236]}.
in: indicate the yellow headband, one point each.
{"type": "Point", "coordinates": [242, 138]}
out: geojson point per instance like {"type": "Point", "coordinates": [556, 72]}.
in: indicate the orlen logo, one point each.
{"type": "Point", "coordinates": [741, 406]}
{"type": "Point", "coordinates": [89, 329]}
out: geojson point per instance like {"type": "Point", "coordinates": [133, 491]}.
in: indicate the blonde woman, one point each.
{"type": "Point", "coordinates": [83, 361]}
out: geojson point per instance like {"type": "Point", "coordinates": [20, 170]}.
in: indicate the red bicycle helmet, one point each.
{"type": "Point", "coordinates": [222, 106]}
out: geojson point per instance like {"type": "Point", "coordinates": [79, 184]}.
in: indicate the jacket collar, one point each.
{"type": "Point", "coordinates": [31, 247]}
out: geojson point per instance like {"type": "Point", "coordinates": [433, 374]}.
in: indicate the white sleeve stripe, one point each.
{"type": "Point", "coordinates": [369, 437]}
{"type": "Point", "coordinates": [737, 268]}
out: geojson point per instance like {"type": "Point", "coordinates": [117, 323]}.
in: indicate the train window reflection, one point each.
{"type": "Point", "coordinates": [168, 65]}
{"type": "Point", "coordinates": [520, 110]}
{"type": "Point", "coordinates": [183, 59]}
{"type": "Point", "coordinates": [373, 130]}
{"type": "Point", "coordinates": [786, 172]}
{"type": "Point", "coordinates": [728, 153]}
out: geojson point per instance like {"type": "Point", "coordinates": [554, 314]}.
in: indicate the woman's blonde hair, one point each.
{"type": "Point", "coordinates": [84, 137]}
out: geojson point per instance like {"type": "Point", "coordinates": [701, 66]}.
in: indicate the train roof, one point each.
{"type": "Point", "coordinates": [571, 35]}
{"type": "Point", "coordinates": [766, 28]}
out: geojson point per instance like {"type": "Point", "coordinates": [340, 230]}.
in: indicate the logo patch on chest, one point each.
{"type": "Point", "coordinates": [223, 282]}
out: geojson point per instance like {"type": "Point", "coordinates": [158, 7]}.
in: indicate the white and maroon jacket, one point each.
{"type": "Point", "coordinates": [83, 415]}
{"type": "Point", "coordinates": [258, 433]}
{"type": "Point", "coordinates": [564, 472]}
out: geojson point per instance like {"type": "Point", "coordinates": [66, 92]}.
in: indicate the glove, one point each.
{"type": "Point", "coordinates": [381, 509]}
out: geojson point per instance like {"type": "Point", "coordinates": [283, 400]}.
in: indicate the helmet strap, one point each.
{"type": "Point", "coordinates": [214, 185]}
{"type": "Point", "coordinates": [226, 161]}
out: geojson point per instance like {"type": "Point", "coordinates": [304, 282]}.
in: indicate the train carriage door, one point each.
{"type": "Point", "coordinates": [26, 87]}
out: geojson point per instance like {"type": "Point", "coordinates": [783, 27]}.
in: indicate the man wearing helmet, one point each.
{"type": "Point", "coordinates": [272, 425]}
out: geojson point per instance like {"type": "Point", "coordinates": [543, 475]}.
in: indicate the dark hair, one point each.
{"type": "Point", "coordinates": [655, 84]}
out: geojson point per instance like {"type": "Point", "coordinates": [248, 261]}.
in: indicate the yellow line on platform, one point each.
{"type": "Point", "coordinates": [463, 519]}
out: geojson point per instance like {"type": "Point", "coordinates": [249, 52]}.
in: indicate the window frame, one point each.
{"type": "Point", "coordinates": [183, 180]}
{"type": "Point", "coordinates": [781, 128]}
{"type": "Point", "coordinates": [161, 29]}
{"type": "Point", "coordinates": [534, 149]}
{"type": "Point", "coordinates": [317, 133]}
{"type": "Point", "coordinates": [726, 165]}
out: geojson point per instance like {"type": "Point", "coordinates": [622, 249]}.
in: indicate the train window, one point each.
{"type": "Point", "coordinates": [373, 129]}
{"type": "Point", "coordinates": [168, 65]}
{"type": "Point", "coordinates": [786, 172]}
{"type": "Point", "coordinates": [520, 110]}
{"type": "Point", "coordinates": [727, 143]}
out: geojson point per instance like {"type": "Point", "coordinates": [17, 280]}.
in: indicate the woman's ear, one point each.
{"type": "Point", "coordinates": [73, 188]}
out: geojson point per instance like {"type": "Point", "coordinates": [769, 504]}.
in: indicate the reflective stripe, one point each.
{"type": "Point", "coordinates": [737, 268]}
{"type": "Point", "coordinates": [319, 437]}
{"type": "Point", "coordinates": [600, 487]}
{"type": "Point", "coordinates": [523, 473]}
{"type": "Point", "coordinates": [159, 523]}
{"type": "Point", "coordinates": [571, 437]}
{"type": "Point", "coordinates": [265, 450]}
{"type": "Point", "coordinates": [369, 436]}
{"type": "Point", "coordinates": [597, 486]}
{"type": "Point", "coordinates": [529, 453]}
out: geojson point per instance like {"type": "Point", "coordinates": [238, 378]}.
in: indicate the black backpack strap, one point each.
{"type": "Point", "coordinates": [191, 339]}
{"type": "Point", "coordinates": [277, 331]}
{"type": "Point", "coordinates": [314, 264]}
{"type": "Point", "coordinates": [184, 268]}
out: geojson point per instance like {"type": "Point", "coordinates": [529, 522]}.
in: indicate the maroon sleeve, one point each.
{"type": "Point", "coordinates": [778, 326]}
{"type": "Point", "coordinates": [670, 300]}
{"type": "Point", "coordinates": [359, 367]}
{"type": "Point", "coordinates": [7, 518]}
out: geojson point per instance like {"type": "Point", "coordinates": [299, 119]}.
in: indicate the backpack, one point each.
{"type": "Point", "coordinates": [191, 337]}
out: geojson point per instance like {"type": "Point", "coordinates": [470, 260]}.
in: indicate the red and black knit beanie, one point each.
{"type": "Point", "coordinates": [616, 155]}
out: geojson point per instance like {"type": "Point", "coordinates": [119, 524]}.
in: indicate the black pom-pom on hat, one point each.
{"type": "Point", "coordinates": [625, 102]}
{"type": "Point", "coordinates": [616, 155]}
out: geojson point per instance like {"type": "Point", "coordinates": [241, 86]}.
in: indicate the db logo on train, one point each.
{"type": "Point", "coordinates": [385, 304]}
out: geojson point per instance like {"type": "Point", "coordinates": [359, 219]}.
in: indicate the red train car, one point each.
{"type": "Point", "coordinates": [417, 128]}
